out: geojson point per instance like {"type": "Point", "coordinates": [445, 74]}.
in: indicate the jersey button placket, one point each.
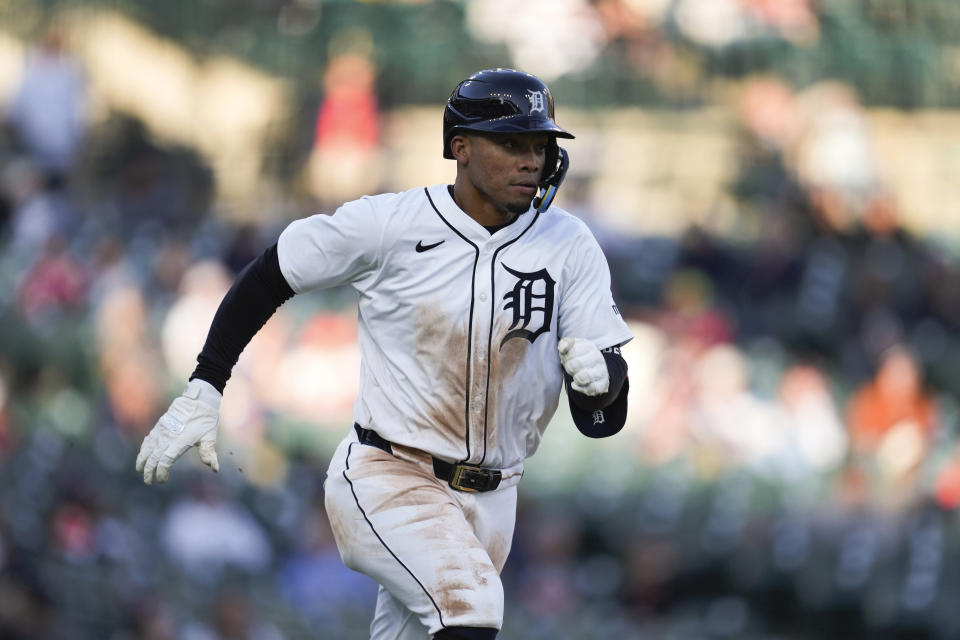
{"type": "Point", "coordinates": [480, 337]}
{"type": "Point", "coordinates": [480, 351]}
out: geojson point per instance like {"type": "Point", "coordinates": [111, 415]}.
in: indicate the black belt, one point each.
{"type": "Point", "coordinates": [462, 477]}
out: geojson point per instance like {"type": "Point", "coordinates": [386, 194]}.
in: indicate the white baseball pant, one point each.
{"type": "Point", "coordinates": [436, 552]}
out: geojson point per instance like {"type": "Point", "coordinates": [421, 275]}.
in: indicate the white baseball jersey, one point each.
{"type": "Point", "coordinates": [458, 328]}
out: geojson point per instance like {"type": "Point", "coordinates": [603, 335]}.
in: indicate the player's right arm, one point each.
{"type": "Point", "coordinates": [314, 252]}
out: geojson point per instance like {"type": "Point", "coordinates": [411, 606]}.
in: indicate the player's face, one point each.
{"type": "Point", "coordinates": [505, 169]}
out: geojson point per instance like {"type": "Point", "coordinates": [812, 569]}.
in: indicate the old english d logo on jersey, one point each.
{"type": "Point", "coordinates": [531, 304]}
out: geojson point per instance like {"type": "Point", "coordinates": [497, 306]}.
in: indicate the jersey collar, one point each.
{"type": "Point", "coordinates": [470, 228]}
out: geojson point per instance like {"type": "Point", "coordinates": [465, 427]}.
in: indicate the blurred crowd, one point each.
{"type": "Point", "coordinates": [791, 466]}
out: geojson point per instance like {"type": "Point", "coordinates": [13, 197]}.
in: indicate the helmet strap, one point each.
{"type": "Point", "coordinates": [551, 183]}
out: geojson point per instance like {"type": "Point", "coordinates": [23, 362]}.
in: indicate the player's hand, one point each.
{"type": "Point", "coordinates": [191, 420]}
{"type": "Point", "coordinates": [585, 364]}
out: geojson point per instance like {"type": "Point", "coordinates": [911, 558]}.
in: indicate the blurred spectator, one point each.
{"type": "Point", "coordinates": [891, 420]}
{"type": "Point", "coordinates": [245, 245]}
{"type": "Point", "coordinates": [794, 20]}
{"type": "Point", "coordinates": [732, 426]}
{"type": "Point", "coordinates": [234, 617]}
{"type": "Point", "coordinates": [128, 358]}
{"type": "Point", "coordinates": [946, 488]}
{"type": "Point", "coordinates": [833, 156]}
{"type": "Point", "coordinates": [202, 287]}
{"type": "Point", "coordinates": [205, 534]}
{"type": "Point", "coordinates": [47, 111]}
{"type": "Point", "coordinates": [548, 583]}
{"type": "Point", "coordinates": [6, 437]}
{"type": "Point", "coordinates": [74, 531]}
{"type": "Point", "coordinates": [110, 269]}
{"type": "Point", "coordinates": [56, 282]}
{"type": "Point", "coordinates": [689, 310]}
{"type": "Point", "coordinates": [320, 364]}
{"type": "Point", "coordinates": [629, 19]}
{"type": "Point", "coordinates": [571, 44]}
{"type": "Point", "coordinates": [723, 23]}
{"type": "Point", "coordinates": [153, 620]}
{"type": "Point", "coordinates": [345, 159]}
{"type": "Point", "coordinates": [816, 439]}
{"type": "Point", "coordinates": [315, 580]}
{"type": "Point", "coordinates": [666, 435]}
{"type": "Point", "coordinates": [25, 612]}
{"type": "Point", "coordinates": [37, 215]}
{"type": "Point", "coordinates": [690, 325]}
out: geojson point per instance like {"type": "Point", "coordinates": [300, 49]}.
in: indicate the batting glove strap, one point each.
{"type": "Point", "coordinates": [204, 392]}
{"type": "Point", "coordinates": [582, 360]}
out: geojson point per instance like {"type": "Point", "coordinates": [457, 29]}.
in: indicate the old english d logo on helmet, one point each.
{"type": "Point", "coordinates": [508, 101]}
{"type": "Point", "coordinates": [536, 101]}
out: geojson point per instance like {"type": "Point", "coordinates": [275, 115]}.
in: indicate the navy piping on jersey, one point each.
{"type": "Point", "coordinates": [473, 277]}
{"type": "Point", "coordinates": [493, 307]}
{"type": "Point", "coordinates": [372, 528]}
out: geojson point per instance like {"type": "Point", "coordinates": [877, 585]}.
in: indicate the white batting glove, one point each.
{"type": "Point", "coordinates": [585, 364]}
{"type": "Point", "coordinates": [191, 420]}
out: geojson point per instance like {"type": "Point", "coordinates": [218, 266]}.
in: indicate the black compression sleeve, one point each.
{"type": "Point", "coordinates": [256, 294]}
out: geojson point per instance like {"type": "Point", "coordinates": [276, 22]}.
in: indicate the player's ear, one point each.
{"type": "Point", "coordinates": [460, 148]}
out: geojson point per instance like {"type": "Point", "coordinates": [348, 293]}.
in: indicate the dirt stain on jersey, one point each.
{"type": "Point", "coordinates": [441, 345]}
{"type": "Point", "coordinates": [504, 363]}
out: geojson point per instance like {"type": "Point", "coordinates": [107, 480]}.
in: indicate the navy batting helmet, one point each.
{"type": "Point", "coordinates": [508, 101]}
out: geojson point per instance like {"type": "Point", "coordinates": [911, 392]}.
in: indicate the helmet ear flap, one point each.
{"type": "Point", "coordinates": [550, 159]}
{"type": "Point", "coordinates": [553, 175]}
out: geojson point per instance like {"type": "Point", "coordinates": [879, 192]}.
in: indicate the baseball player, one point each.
{"type": "Point", "coordinates": [477, 302]}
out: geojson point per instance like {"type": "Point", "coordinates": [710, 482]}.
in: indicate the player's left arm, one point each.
{"type": "Point", "coordinates": [591, 333]}
{"type": "Point", "coordinates": [597, 386]}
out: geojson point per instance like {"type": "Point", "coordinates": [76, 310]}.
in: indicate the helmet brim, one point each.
{"type": "Point", "coordinates": [512, 124]}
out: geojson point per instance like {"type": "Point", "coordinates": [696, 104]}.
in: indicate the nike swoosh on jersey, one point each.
{"type": "Point", "coordinates": [426, 247]}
